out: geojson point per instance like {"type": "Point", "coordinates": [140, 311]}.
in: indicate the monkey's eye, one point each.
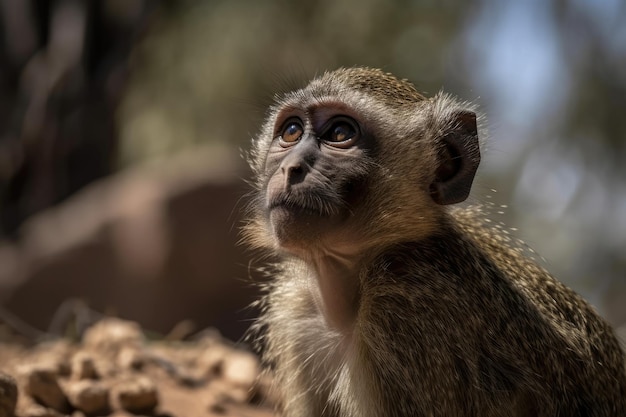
{"type": "Point", "coordinates": [291, 133]}
{"type": "Point", "coordinates": [341, 134]}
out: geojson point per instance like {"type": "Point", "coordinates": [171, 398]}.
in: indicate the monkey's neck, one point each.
{"type": "Point", "coordinates": [337, 289]}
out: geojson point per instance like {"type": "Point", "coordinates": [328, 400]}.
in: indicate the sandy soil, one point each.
{"type": "Point", "coordinates": [115, 371]}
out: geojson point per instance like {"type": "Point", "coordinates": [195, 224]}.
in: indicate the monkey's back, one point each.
{"type": "Point", "coordinates": [573, 352]}
{"type": "Point", "coordinates": [444, 329]}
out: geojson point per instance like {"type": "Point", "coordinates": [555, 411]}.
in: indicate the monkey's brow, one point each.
{"type": "Point", "coordinates": [318, 111]}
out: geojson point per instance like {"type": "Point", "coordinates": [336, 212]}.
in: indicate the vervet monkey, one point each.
{"type": "Point", "coordinates": [387, 301]}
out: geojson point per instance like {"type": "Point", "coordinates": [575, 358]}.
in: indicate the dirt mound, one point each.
{"type": "Point", "coordinates": [116, 371]}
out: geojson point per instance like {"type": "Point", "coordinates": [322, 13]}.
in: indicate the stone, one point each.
{"type": "Point", "coordinates": [36, 410]}
{"type": "Point", "coordinates": [8, 395]}
{"type": "Point", "coordinates": [111, 334]}
{"type": "Point", "coordinates": [83, 366]}
{"type": "Point", "coordinates": [130, 358]}
{"type": "Point", "coordinates": [41, 384]}
{"type": "Point", "coordinates": [241, 369]}
{"type": "Point", "coordinates": [138, 395]}
{"type": "Point", "coordinates": [88, 396]}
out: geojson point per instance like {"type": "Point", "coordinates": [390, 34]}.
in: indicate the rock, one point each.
{"type": "Point", "coordinates": [241, 369]}
{"type": "Point", "coordinates": [138, 395]}
{"type": "Point", "coordinates": [112, 334]}
{"type": "Point", "coordinates": [83, 366]}
{"type": "Point", "coordinates": [36, 410]}
{"type": "Point", "coordinates": [54, 355]}
{"type": "Point", "coordinates": [88, 396]}
{"type": "Point", "coordinates": [237, 395]}
{"type": "Point", "coordinates": [130, 358]}
{"type": "Point", "coordinates": [42, 385]}
{"type": "Point", "coordinates": [8, 395]}
{"type": "Point", "coordinates": [211, 362]}
{"type": "Point", "coordinates": [223, 396]}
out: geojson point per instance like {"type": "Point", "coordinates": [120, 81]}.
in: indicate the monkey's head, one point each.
{"type": "Point", "coordinates": [359, 159]}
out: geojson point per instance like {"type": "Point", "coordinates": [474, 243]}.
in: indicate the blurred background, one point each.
{"type": "Point", "coordinates": [122, 124]}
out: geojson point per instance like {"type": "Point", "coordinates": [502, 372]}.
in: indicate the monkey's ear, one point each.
{"type": "Point", "coordinates": [458, 160]}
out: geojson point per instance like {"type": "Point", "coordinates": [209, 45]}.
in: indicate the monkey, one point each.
{"type": "Point", "coordinates": [388, 298]}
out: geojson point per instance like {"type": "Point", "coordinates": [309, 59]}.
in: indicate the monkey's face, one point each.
{"type": "Point", "coordinates": [316, 167]}
{"type": "Point", "coordinates": [356, 160]}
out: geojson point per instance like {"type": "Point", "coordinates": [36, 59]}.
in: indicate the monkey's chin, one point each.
{"type": "Point", "coordinates": [295, 229]}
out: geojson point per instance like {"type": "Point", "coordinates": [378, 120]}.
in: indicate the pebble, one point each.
{"type": "Point", "coordinates": [129, 358]}
{"type": "Point", "coordinates": [83, 366]}
{"type": "Point", "coordinates": [36, 410]}
{"type": "Point", "coordinates": [138, 395]}
{"type": "Point", "coordinates": [112, 334]}
{"type": "Point", "coordinates": [8, 395]}
{"type": "Point", "coordinates": [42, 385]}
{"type": "Point", "coordinates": [241, 369]}
{"type": "Point", "coordinates": [88, 396]}
{"type": "Point", "coordinates": [212, 360]}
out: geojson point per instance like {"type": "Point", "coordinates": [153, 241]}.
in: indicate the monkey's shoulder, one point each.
{"type": "Point", "coordinates": [476, 266]}
{"type": "Point", "coordinates": [494, 247]}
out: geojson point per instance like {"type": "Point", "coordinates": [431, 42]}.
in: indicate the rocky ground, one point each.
{"type": "Point", "coordinates": [116, 371]}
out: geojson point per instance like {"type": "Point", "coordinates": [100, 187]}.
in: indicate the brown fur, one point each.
{"type": "Point", "coordinates": [439, 314]}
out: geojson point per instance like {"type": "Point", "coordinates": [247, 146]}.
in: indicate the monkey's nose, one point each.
{"type": "Point", "coordinates": [294, 173]}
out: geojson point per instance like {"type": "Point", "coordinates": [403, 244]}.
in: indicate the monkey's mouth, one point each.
{"type": "Point", "coordinates": [313, 202]}
{"type": "Point", "coordinates": [296, 205]}
{"type": "Point", "coordinates": [298, 219]}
